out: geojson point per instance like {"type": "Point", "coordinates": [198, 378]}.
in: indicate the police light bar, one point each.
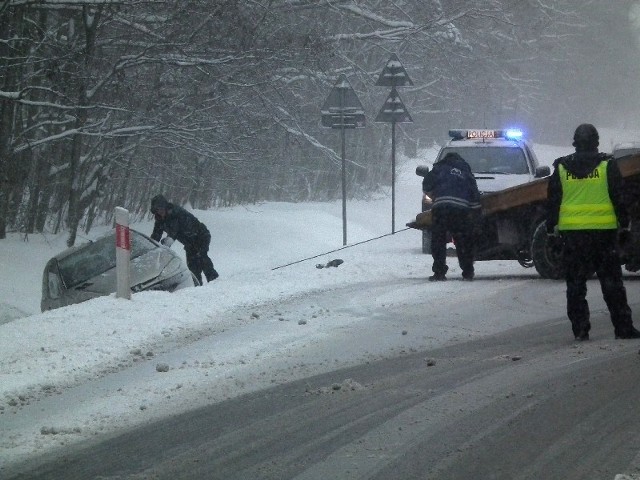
{"type": "Point", "coordinates": [460, 134]}
{"type": "Point", "coordinates": [483, 133]}
{"type": "Point", "coordinates": [457, 134]}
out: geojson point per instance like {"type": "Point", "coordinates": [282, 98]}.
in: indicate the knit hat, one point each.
{"type": "Point", "coordinates": [158, 202]}
{"type": "Point", "coordinates": [586, 137]}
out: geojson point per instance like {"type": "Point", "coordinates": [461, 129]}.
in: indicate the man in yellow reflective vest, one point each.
{"type": "Point", "coordinates": [587, 213]}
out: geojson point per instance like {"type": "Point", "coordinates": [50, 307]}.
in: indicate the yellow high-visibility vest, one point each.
{"type": "Point", "coordinates": [586, 204]}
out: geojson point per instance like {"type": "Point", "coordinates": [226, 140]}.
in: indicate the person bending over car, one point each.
{"type": "Point", "coordinates": [456, 204]}
{"type": "Point", "coordinates": [184, 227]}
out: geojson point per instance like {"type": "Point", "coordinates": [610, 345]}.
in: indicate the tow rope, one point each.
{"type": "Point", "coordinates": [341, 248]}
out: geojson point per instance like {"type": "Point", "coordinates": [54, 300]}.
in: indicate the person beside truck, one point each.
{"type": "Point", "coordinates": [587, 218]}
{"type": "Point", "coordinates": [456, 204]}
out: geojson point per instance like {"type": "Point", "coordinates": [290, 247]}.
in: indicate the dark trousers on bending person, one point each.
{"type": "Point", "coordinates": [198, 260]}
{"type": "Point", "coordinates": [585, 252]}
{"type": "Point", "coordinates": [459, 223]}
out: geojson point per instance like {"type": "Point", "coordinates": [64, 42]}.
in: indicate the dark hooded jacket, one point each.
{"type": "Point", "coordinates": [581, 164]}
{"type": "Point", "coordinates": [451, 183]}
{"type": "Point", "coordinates": [178, 224]}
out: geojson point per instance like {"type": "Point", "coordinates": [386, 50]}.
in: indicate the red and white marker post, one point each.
{"type": "Point", "coordinates": [123, 254]}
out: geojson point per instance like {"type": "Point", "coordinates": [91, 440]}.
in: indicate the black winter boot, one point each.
{"type": "Point", "coordinates": [628, 334]}
{"type": "Point", "coordinates": [437, 277]}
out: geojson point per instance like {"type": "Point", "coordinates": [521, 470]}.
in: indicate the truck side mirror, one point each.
{"type": "Point", "coordinates": [422, 170]}
{"type": "Point", "coordinates": [543, 171]}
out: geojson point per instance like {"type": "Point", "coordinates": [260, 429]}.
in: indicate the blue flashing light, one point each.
{"type": "Point", "coordinates": [513, 134]}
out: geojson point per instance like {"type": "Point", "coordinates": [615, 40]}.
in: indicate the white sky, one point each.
{"type": "Point", "coordinates": [85, 370]}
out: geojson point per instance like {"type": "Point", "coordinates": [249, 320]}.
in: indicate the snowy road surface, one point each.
{"type": "Point", "coordinates": [394, 387]}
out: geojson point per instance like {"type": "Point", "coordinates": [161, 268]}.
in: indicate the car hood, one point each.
{"type": "Point", "coordinates": [144, 270]}
{"type": "Point", "coordinates": [492, 182]}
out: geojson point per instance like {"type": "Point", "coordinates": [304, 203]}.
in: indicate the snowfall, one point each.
{"type": "Point", "coordinates": [108, 364]}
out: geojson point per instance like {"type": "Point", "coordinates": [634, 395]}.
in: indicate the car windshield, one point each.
{"type": "Point", "coordinates": [507, 160]}
{"type": "Point", "coordinates": [98, 257]}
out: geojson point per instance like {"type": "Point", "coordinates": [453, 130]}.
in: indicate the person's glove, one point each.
{"type": "Point", "coordinates": [624, 237]}
{"type": "Point", "coordinates": [167, 241]}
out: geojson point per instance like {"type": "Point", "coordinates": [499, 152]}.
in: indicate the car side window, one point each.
{"type": "Point", "coordinates": [533, 160]}
{"type": "Point", "coordinates": [54, 284]}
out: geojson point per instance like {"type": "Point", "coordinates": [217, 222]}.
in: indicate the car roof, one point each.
{"type": "Point", "coordinates": [626, 145]}
{"type": "Point", "coordinates": [488, 142]}
{"type": "Point", "coordinates": [77, 248]}
{"type": "Point", "coordinates": [625, 149]}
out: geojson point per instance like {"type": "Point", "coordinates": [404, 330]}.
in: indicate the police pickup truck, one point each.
{"type": "Point", "coordinates": [500, 160]}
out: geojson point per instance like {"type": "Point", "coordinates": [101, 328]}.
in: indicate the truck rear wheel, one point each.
{"type": "Point", "coordinates": [546, 260]}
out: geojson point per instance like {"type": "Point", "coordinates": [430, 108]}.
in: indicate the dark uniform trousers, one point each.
{"type": "Point", "coordinates": [585, 252]}
{"type": "Point", "coordinates": [459, 223]}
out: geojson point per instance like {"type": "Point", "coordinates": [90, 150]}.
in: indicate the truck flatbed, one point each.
{"type": "Point", "coordinates": [526, 194]}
